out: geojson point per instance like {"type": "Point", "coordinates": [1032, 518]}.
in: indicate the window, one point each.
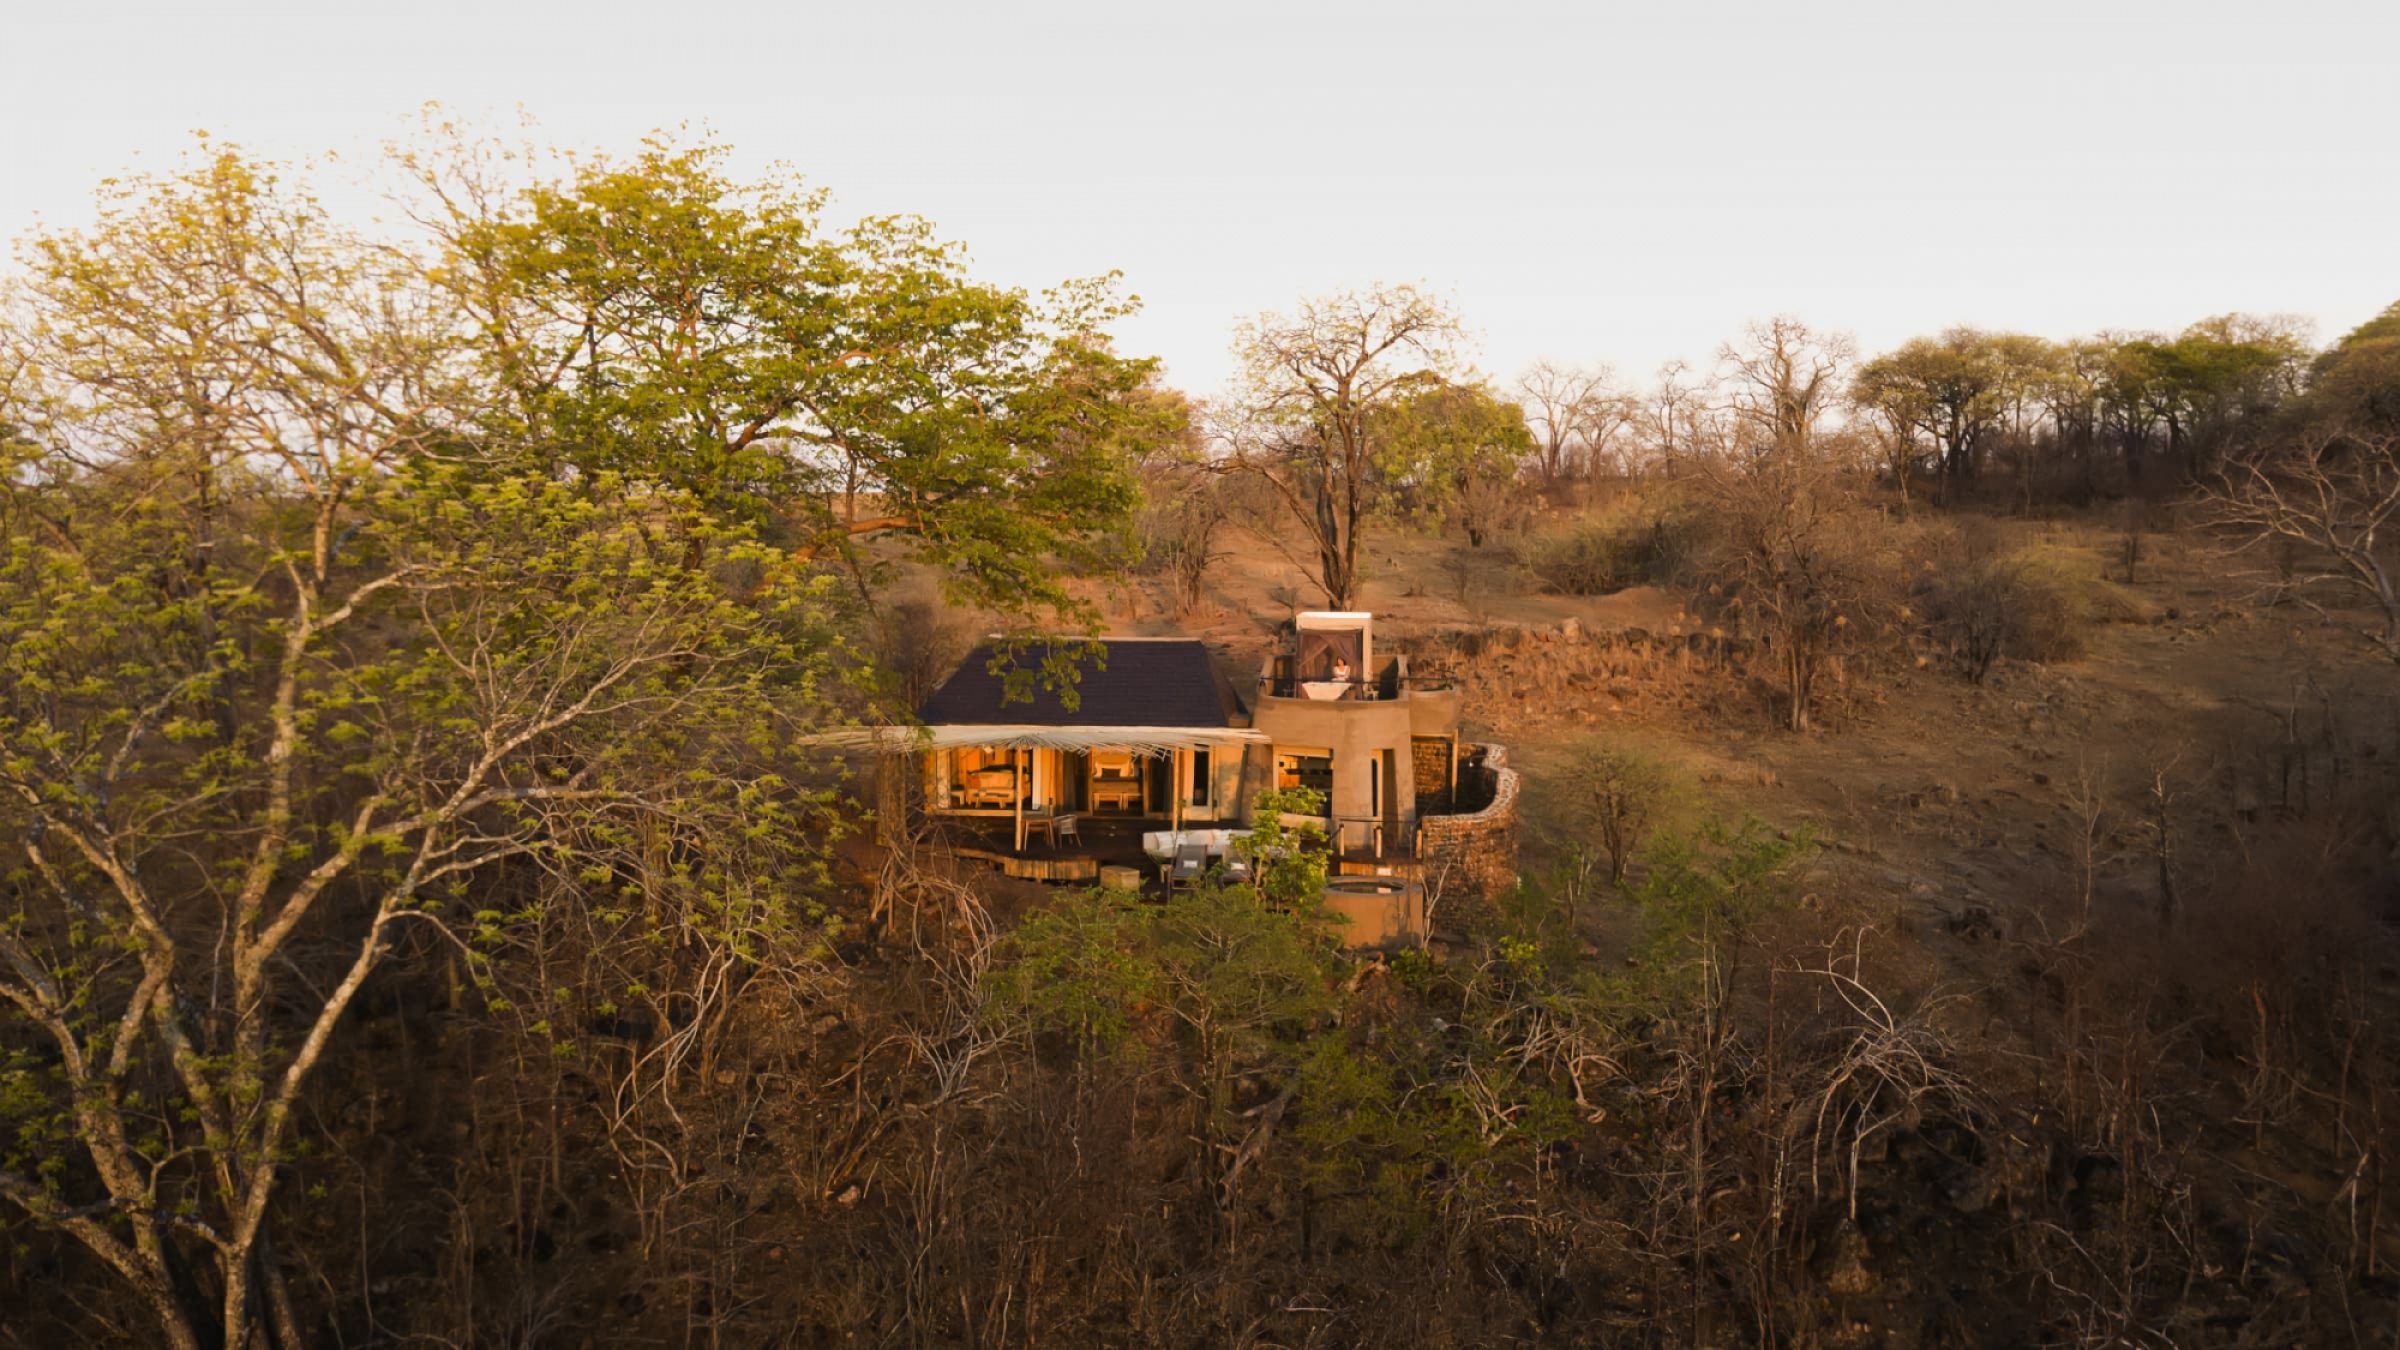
{"type": "Point", "coordinates": [1200, 777]}
{"type": "Point", "coordinates": [983, 776]}
{"type": "Point", "coordinates": [1305, 767]}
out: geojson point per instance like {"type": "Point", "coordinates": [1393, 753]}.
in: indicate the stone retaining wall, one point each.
{"type": "Point", "coordinates": [1431, 756]}
{"type": "Point", "coordinates": [1518, 678]}
{"type": "Point", "coordinates": [1474, 853]}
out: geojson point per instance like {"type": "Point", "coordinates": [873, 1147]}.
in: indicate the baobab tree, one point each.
{"type": "Point", "coordinates": [1784, 376]}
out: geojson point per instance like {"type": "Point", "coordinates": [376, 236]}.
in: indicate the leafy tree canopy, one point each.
{"type": "Point", "coordinates": [658, 316]}
{"type": "Point", "coordinates": [1443, 445]}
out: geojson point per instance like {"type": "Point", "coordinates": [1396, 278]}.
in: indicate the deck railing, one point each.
{"type": "Point", "coordinates": [1388, 685]}
{"type": "Point", "coordinates": [1373, 836]}
{"type": "Point", "coordinates": [1293, 686]}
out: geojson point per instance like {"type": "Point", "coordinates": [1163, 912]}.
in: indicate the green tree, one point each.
{"type": "Point", "coordinates": [295, 652]}
{"type": "Point", "coordinates": [1952, 388]}
{"type": "Point", "coordinates": [2208, 383]}
{"type": "Point", "coordinates": [1288, 860]}
{"type": "Point", "coordinates": [2357, 380]}
{"type": "Point", "coordinates": [1238, 982]}
{"type": "Point", "coordinates": [1406, 1137]}
{"type": "Point", "coordinates": [659, 318]}
{"type": "Point", "coordinates": [1453, 451]}
{"type": "Point", "coordinates": [1078, 966]}
{"type": "Point", "coordinates": [2072, 389]}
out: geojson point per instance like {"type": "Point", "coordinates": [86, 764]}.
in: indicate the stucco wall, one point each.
{"type": "Point", "coordinates": [1475, 853]}
{"type": "Point", "coordinates": [1355, 732]}
{"type": "Point", "coordinates": [1432, 712]}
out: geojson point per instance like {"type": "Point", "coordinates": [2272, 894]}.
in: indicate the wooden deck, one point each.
{"type": "Point", "coordinates": [1103, 842]}
{"type": "Point", "coordinates": [1067, 868]}
{"type": "Point", "coordinates": [1115, 842]}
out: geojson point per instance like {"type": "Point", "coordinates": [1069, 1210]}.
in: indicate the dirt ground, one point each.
{"type": "Point", "coordinates": [2221, 775]}
{"type": "Point", "coordinates": [1937, 798]}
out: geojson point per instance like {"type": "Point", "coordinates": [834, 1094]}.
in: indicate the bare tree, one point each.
{"type": "Point", "coordinates": [1187, 509]}
{"type": "Point", "coordinates": [1793, 563]}
{"type": "Point", "coordinates": [1786, 376]}
{"type": "Point", "coordinates": [1309, 385]}
{"type": "Point", "coordinates": [1667, 415]}
{"type": "Point", "coordinates": [1616, 795]}
{"type": "Point", "coordinates": [1574, 411]}
{"type": "Point", "coordinates": [2330, 491]}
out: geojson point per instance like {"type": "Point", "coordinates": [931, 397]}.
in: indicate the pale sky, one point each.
{"type": "Point", "coordinates": [1618, 182]}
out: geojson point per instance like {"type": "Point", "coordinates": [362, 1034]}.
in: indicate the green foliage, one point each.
{"type": "Point", "coordinates": [1953, 388]}
{"type": "Point", "coordinates": [660, 319]}
{"type": "Point", "coordinates": [2216, 376]}
{"type": "Point", "coordinates": [2358, 379]}
{"type": "Point", "coordinates": [310, 645]}
{"type": "Point", "coordinates": [1229, 965]}
{"type": "Point", "coordinates": [1079, 966]}
{"type": "Point", "coordinates": [1405, 1134]}
{"type": "Point", "coordinates": [1242, 982]}
{"type": "Point", "coordinates": [1703, 892]}
{"type": "Point", "coordinates": [1968, 392]}
{"type": "Point", "coordinates": [1288, 860]}
{"type": "Point", "coordinates": [1448, 451]}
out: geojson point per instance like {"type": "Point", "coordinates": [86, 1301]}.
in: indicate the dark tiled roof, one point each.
{"type": "Point", "coordinates": [1146, 682]}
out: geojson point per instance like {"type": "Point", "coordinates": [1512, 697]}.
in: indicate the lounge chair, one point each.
{"type": "Point", "coordinates": [1191, 863]}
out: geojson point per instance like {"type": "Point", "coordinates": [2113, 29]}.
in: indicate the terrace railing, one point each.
{"type": "Point", "coordinates": [1372, 836]}
{"type": "Point", "coordinates": [1395, 679]}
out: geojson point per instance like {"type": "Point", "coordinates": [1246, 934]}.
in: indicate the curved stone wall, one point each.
{"type": "Point", "coordinates": [1474, 853]}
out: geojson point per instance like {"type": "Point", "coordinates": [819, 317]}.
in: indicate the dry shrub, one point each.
{"type": "Point", "coordinates": [1795, 562]}
{"type": "Point", "coordinates": [1613, 795]}
{"type": "Point", "coordinates": [1635, 541]}
{"type": "Point", "coordinates": [2035, 603]}
{"type": "Point", "coordinates": [1999, 607]}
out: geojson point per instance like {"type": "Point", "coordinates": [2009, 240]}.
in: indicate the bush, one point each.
{"type": "Point", "coordinates": [1794, 561]}
{"type": "Point", "coordinates": [1612, 796]}
{"type": "Point", "coordinates": [2031, 605]}
{"type": "Point", "coordinates": [1597, 555]}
